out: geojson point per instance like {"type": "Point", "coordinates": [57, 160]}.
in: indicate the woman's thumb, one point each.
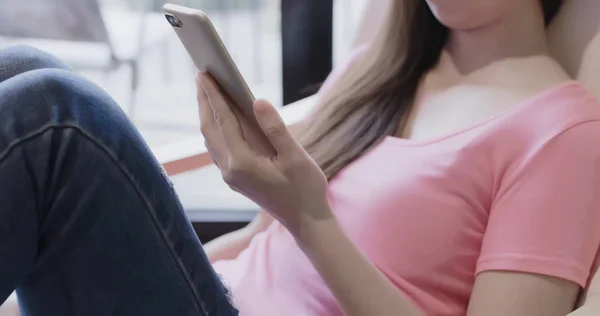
{"type": "Point", "coordinates": [274, 128]}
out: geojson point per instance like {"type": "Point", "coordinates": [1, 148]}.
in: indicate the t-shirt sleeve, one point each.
{"type": "Point", "coordinates": [545, 217]}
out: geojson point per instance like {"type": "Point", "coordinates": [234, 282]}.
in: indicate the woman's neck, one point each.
{"type": "Point", "coordinates": [520, 34]}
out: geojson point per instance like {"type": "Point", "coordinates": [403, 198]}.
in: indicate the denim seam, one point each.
{"type": "Point", "coordinates": [45, 128]}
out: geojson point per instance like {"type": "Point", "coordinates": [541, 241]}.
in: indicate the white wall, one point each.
{"type": "Point", "coordinates": [346, 16]}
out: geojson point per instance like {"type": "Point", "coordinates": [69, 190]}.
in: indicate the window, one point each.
{"type": "Point", "coordinates": [128, 48]}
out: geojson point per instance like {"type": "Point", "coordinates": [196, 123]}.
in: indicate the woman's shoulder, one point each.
{"type": "Point", "coordinates": [568, 101]}
{"type": "Point", "coordinates": [551, 113]}
{"type": "Point", "coordinates": [562, 121]}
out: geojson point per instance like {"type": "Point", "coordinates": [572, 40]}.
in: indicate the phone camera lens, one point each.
{"type": "Point", "coordinates": [173, 20]}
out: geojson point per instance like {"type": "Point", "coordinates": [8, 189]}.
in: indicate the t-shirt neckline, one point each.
{"type": "Point", "coordinates": [509, 112]}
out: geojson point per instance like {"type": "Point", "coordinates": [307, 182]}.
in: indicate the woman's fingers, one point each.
{"type": "Point", "coordinates": [212, 154]}
{"type": "Point", "coordinates": [224, 118]}
{"type": "Point", "coordinates": [206, 113]}
{"type": "Point", "coordinates": [273, 126]}
{"type": "Point", "coordinates": [212, 136]}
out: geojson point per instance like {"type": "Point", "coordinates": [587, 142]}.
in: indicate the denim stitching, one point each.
{"type": "Point", "coordinates": [46, 128]}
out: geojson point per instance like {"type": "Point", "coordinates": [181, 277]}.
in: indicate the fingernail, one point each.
{"type": "Point", "coordinates": [261, 108]}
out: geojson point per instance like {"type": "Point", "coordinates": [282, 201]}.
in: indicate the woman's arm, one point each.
{"type": "Point", "coordinates": [538, 248]}
{"type": "Point", "coordinates": [361, 289]}
{"type": "Point", "coordinates": [10, 307]}
{"type": "Point", "coordinates": [230, 245]}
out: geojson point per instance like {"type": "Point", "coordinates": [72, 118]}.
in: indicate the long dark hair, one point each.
{"type": "Point", "coordinates": [373, 96]}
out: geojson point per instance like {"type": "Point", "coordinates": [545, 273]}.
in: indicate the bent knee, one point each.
{"type": "Point", "coordinates": [52, 83]}
{"type": "Point", "coordinates": [57, 97]}
{"type": "Point", "coordinates": [19, 59]}
{"type": "Point", "coordinates": [32, 58]}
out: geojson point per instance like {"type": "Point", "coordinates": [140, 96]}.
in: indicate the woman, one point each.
{"type": "Point", "coordinates": [462, 165]}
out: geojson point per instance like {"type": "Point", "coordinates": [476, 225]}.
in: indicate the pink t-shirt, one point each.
{"type": "Point", "coordinates": [520, 192]}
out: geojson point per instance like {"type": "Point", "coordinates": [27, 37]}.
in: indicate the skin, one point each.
{"type": "Point", "coordinates": [229, 246]}
{"type": "Point", "coordinates": [497, 52]}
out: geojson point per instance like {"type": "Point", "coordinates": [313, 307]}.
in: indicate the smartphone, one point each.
{"type": "Point", "coordinates": [209, 54]}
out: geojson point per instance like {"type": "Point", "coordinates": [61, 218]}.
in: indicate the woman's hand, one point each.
{"type": "Point", "coordinates": [289, 184]}
{"type": "Point", "coordinates": [292, 187]}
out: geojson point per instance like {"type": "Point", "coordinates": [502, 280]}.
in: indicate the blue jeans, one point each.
{"type": "Point", "coordinates": [89, 223]}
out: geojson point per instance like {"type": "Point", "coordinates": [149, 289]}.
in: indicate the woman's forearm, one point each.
{"type": "Point", "coordinates": [10, 307]}
{"type": "Point", "coordinates": [359, 287]}
{"type": "Point", "coordinates": [230, 245]}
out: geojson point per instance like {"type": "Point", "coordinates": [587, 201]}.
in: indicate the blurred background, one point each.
{"type": "Point", "coordinates": [284, 49]}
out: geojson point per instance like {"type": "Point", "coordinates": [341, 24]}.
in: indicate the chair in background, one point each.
{"type": "Point", "coordinates": [88, 34]}
{"type": "Point", "coordinates": [575, 41]}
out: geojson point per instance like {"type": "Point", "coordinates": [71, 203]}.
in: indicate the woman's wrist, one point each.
{"type": "Point", "coordinates": [259, 223]}
{"type": "Point", "coordinates": [312, 230]}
